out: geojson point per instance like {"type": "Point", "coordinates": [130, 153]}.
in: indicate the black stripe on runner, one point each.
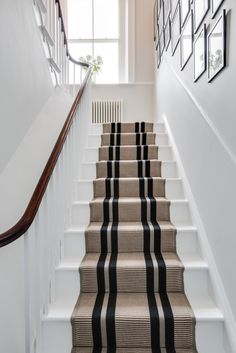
{"type": "Point", "coordinates": [152, 305]}
{"type": "Point", "coordinates": [138, 138]}
{"type": "Point", "coordinates": [169, 323]}
{"type": "Point", "coordinates": [117, 153]}
{"type": "Point", "coordinates": [113, 128]}
{"type": "Point", "coordinates": [118, 138]}
{"type": "Point", "coordinates": [138, 153]}
{"type": "Point", "coordinates": [136, 127]}
{"type": "Point", "coordinates": [145, 152]}
{"type": "Point", "coordinates": [140, 168]}
{"type": "Point", "coordinates": [117, 169]}
{"type": "Point", "coordinates": [96, 322]}
{"type": "Point", "coordinates": [118, 128]}
{"type": "Point", "coordinates": [112, 139]}
{"type": "Point", "coordinates": [142, 127]}
{"type": "Point", "coordinates": [110, 153]}
{"type": "Point", "coordinates": [109, 169]}
{"type": "Point", "coordinates": [147, 168]}
{"type": "Point", "coordinates": [144, 138]}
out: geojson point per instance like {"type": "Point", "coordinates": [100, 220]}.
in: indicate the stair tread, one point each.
{"type": "Point", "coordinates": [129, 350]}
{"type": "Point", "coordinates": [204, 309]}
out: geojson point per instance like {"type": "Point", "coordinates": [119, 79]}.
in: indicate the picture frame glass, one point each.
{"type": "Point", "coordinates": [200, 54]}
{"type": "Point", "coordinates": [215, 5]}
{"type": "Point", "coordinates": [216, 48]}
{"type": "Point", "coordinates": [173, 6]}
{"type": "Point", "coordinates": [187, 41]}
{"type": "Point", "coordinates": [167, 34]}
{"type": "Point", "coordinates": [175, 29]}
{"type": "Point", "coordinates": [166, 10]}
{"type": "Point", "coordinates": [185, 8]}
{"type": "Point", "coordinates": [201, 8]}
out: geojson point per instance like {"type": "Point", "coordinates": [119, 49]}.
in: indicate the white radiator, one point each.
{"type": "Point", "coordinates": [107, 111]}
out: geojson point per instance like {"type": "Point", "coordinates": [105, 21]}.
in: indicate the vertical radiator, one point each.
{"type": "Point", "coordinates": [107, 111]}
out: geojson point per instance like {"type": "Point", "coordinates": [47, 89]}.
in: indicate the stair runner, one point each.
{"type": "Point", "coordinates": [132, 294]}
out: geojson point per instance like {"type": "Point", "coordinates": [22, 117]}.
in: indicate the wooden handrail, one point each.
{"type": "Point", "coordinates": [26, 220]}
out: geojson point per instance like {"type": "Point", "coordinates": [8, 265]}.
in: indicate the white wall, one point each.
{"type": "Point", "coordinates": [202, 120]}
{"type": "Point", "coordinates": [137, 98]}
{"type": "Point", "coordinates": [138, 94]}
{"type": "Point", "coordinates": [25, 82]}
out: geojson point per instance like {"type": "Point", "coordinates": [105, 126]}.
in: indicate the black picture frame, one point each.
{"type": "Point", "coordinates": [167, 34]}
{"type": "Point", "coordinates": [215, 9]}
{"type": "Point", "coordinates": [198, 22]}
{"type": "Point", "coordinates": [175, 29]}
{"type": "Point", "coordinates": [158, 56]}
{"type": "Point", "coordinates": [222, 20]}
{"type": "Point", "coordinates": [186, 41]}
{"type": "Point", "coordinates": [167, 10]}
{"type": "Point", "coordinates": [162, 42]}
{"type": "Point", "coordinates": [173, 6]}
{"type": "Point", "coordinates": [155, 21]}
{"type": "Point", "coordinates": [200, 47]}
{"type": "Point", "coordinates": [184, 11]}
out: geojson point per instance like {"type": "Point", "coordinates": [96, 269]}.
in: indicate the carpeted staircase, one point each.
{"type": "Point", "coordinates": [132, 292]}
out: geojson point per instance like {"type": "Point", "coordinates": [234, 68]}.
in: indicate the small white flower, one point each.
{"type": "Point", "coordinates": [99, 60]}
{"type": "Point", "coordinates": [89, 57]}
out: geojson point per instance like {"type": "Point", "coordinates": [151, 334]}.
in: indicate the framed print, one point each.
{"type": "Point", "coordinates": [173, 5]}
{"type": "Point", "coordinates": [200, 54]}
{"type": "Point", "coordinates": [161, 20]}
{"type": "Point", "coordinates": [216, 48]}
{"type": "Point", "coordinates": [185, 9]}
{"type": "Point", "coordinates": [167, 34]}
{"type": "Point", "coordinates": [215, 6]}
{"type": "Point", "coordinates": [158, 55]}
{"type": "Point", "coordinates": [175, 29]}
{"type": "Point", "coordinates": [166, 10]}
{"type": "Point", "coordinates": [155, 21]}
{"type": "Point", "coordinates": [159, 6]}
{"type": "Point", "coordinates": [200, 9]}
{"type": "Point", "coordinates": [186, 44]}
{"type": "Point", "coordinates": [162, 42]}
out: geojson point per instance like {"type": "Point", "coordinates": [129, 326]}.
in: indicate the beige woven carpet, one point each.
{"type": "Point", "coordinates": [132, 293]}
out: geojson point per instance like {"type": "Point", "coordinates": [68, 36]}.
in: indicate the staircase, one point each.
{"type": "Point", "coordinates": [132, 283]}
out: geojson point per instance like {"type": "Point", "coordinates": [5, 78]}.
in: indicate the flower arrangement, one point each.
{"type": "Point", "coordinates": [95, 62]}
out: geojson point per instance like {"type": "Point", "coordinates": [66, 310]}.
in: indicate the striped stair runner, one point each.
{"type": "Point", "coordinates": [132, 294]}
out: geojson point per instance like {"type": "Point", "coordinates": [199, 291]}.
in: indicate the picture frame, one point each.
{"type": "Point", "coordinates": [161, 19]}
{"type": "Point", "coordinates": [216, 48]}
{"type": "Point", "coordinates": [173, 5]}
{"type": "Point", "coordinates": [200, 10]}
{"type": "Point", "coordinates": [185, 9]}
{"type": "Point", "coordinates": [167, 10]}
{"type": "Point", "coordinates": [161, 42]}
{"type": "Point", "coordinates": [200, 54]}
{"type": "Point", "coordinates": [155, 21]}
{"type": "Point", "coordinates": [215, 6]}
{"type": "Point", "coordinates": [167, 34]}
{"type": "Point", "coordinates": [186, 41]}
{"type": "Point", "coordinates": [175, 29]}
{"type": "Point", "coordinates": [158, 56]}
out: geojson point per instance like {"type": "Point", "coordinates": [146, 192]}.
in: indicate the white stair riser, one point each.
{"type": "Point", "coordinates": [157, 128]}
{"type": "Point", "coordinates": [84, 189]}
{"type": "Point", "coordinates": [168, 170]}
{"type": "Point", "coordinates": [74, 243]}
{"type": "Point", "coordinates": [67, 285]}
{"type": "Point", "coordinates": [58, 337]}
{"type": "Point", "coordinates": [179, 213]}
{"type": "Point", "coordinates": [164, 153]}
{"type": "Point", "coordinates": [94, 141]}
{"type": "Point", "coordinates": [187, 242]}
